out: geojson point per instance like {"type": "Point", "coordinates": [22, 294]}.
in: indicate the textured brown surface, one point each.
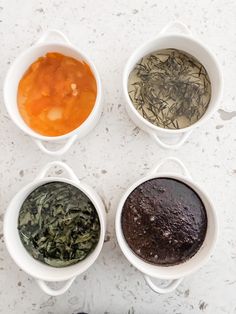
{"type": "Point", "coordinates": [164, 221]}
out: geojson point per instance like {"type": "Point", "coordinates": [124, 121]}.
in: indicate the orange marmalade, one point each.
{"type": "Point", "coordinates": [56, 94]}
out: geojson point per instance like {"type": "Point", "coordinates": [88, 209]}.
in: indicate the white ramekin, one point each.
{"type": "Point", "coordinates": [174, 35]}
{"type": "Point", "coordinates": [176, 273]}
{"type": "Point", "coordinates": [51, 41]}
{"type": "Point", "coordinates": [42, 272]}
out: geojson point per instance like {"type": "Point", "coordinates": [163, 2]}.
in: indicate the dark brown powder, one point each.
{"type": "Point", "coordinates": [164, 221]}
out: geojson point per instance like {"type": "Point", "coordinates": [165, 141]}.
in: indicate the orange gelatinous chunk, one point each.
{"type": "Point", "coordinates": [56, 94]}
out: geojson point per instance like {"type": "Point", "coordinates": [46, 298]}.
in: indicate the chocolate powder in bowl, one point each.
{"type": "Point", "coordinates": [164, 221]}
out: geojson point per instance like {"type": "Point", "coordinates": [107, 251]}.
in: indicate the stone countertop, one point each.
{"type": "Point", "coordinates": [117, 153]}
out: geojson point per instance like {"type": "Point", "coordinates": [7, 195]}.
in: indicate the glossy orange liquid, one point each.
{"type": "Point", "coordinates": [56, 94]}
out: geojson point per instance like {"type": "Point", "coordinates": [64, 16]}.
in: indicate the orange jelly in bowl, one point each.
{"type": "Point", "coordinates": [56, 94]}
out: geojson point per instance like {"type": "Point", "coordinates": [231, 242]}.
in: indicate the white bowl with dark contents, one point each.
{"type": "Point", "coordinates": [166, 226]}
{"type": "Point", "coordinates": [54, 228]}
{"type": "Point", "coordinates": [172, 84]}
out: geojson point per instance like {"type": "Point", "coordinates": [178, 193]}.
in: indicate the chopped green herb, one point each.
{"type": "Point", "coordinates": [58, 224]}
{"type": "Point", "coordinates": [170, 88]}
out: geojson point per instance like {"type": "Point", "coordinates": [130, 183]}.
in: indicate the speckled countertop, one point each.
{"type": "Point", "coordinates": [117, 153]}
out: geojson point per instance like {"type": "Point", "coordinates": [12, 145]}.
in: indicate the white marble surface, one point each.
{"type": "Point", "coordinates": [116, 153]}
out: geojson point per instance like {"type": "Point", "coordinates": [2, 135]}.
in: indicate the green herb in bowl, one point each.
{"type": "Point", "coordinates": [58, 224]}
{"type": "Point", "coordinates": [170, 88]}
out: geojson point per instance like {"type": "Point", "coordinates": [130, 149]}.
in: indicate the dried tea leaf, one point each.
{"type": "Point", "coordinates": [170, 88]}
{"type": "Point", "coordinates": [58, 224]}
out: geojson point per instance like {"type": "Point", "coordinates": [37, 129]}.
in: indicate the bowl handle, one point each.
{"type": "Point", "coordinates": [173, 284]}
{"type": "Point", "coordinates": [174, 26]}
{"type": "Point", "coordinates": [53, 35]}
{"type": "Point", "coordinates": [60, 164]}
{"type": "Point", "coordinates": [54, 292]}
{"type": "Point", "coordinates": [182, 139]}
{"type": "Point", "coordinates": [177, 161]}
{"type": "Point", "coordinates": [58, 152]}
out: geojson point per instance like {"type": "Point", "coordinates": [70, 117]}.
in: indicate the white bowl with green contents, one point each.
{"type": "Point", "coordinates": [40, 271]}
{"type": "Point", "coordinates": [175, 36]}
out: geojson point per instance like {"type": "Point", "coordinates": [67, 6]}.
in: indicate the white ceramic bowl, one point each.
{"type": "Point", "coordinates": [173, 273]}
{"type": "Point", "coordinates": [42, 272]}
{"type": "Point", "coordinates": [175, 35]}
{"type": "Point", "coordinates": [54, 41]}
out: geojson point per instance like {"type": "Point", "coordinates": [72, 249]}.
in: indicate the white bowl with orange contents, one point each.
{"type": "Point", "coordinates": [51, 41]}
